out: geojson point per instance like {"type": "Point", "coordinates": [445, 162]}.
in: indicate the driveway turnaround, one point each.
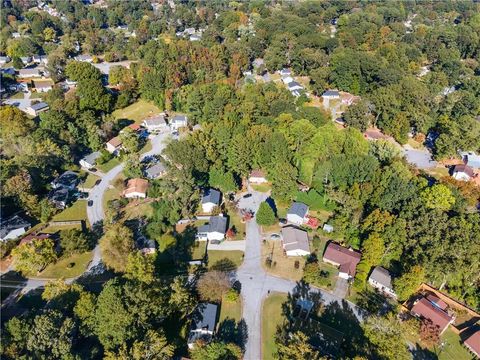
{"type": "Point", "coordinates": [256, 284]}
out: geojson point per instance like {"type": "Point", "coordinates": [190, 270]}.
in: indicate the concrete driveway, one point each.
{"type": "Point", "coordinates": [341, 288]}
{"type": "Point", "coordinates": [422, 159]}
{"type": "Point", "coordinates": [24, 103]}
{"type": "Point", "coordinates": [228, 245]}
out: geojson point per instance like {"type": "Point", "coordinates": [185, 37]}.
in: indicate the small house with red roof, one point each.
{"type": "Point", "coordinates": [346, 259]}
{"type": "Point", "coordinates": [426, 309]}
{"type": "Point", "coordinates": [472, 343]}
{"type": "Point", "coordinates": [257, 177]}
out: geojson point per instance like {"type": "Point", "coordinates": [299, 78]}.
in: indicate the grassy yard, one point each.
{"type": "Point", "coordinates": [198, 250]}
{"type": "Point", "coordinates": [262, 187]}
{"type": "Point", "coordinates": [282, 265]}
{"type": "Point", "coordinates": [137, 111]}
{"type": "Point", "coordinates": [90, 181]}
{"type": "Point", "coordinates": [77, 211]}
{"type": "Point", "coordinates": [231, 310]}
{"type": "Point", "coordinates": [236, 256]}
{"type": "Point", "coordinates": [236, 221]}
{"type": "Point", "coordinates": [53, 229]}
{"type": "Point", "coordinates": [452, 349]}
{"type": "Point", "coordinates": [109, 165]}
{"type": "Point", "coordinates": [271, 318]}
{"type": "Point", "coordinates": [61, 268]}
{"type": "Point", "coordinates": [137, 208]}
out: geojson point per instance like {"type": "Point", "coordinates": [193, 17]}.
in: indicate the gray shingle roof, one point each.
{"type": "Point", "coordinates": [155, 170]}
{"type": "Point", "coordinates": [155, 121]}
{"type": "Point", "coordinates": [293, 84]}
{"type": "Point", "coordinates": [90, 158]}
{"type": "Point", "coordinates": [299, 209]}
{"type": "Point", "coordinates": [218, 224]}
{"type": "Point", "coordinates": [179, 118]}
{"type": "Point", "coordinates": [382, 276]}
{"type": "Point", "coordinates": [206, 317]}
{"type": "Point", "coordinates": [294, 239]}
{"type": "Point", "coordinates": [12, 223]}
{"type": "Point", "coordinates": [331, 93]}
{"type": "Point", "coordinates": [211, 196]}
{"type": "Point", "coordinates": [39, 106]}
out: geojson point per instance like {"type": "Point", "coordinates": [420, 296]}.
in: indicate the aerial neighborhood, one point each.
{"type": "Point", "coordinates": [218, 180]}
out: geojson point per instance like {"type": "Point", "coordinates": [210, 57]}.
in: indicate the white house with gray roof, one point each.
{"type": "Point", "coordinates": [214, 230]}
{"type": "Point", "coordinates": [178, 121]}
{"type": "Point", "coordinates": [211, 198]}
{"type": "Point", "coordinates": [203, 324]}
{"type": "Point", "coordinates": [380, 279]}
{"type": "Point", "coordinates": [37, 108]}
{"type": "Point", "coordinates": [89, 161]}
{"type": "Point", "coordinates": [155, 124]}
{"type": "Point", "coordinates": [13, 227]}
{"type": "Point", "coordinates": [295, 241]}
{"type": "Point", "coordinates": [297, 213]}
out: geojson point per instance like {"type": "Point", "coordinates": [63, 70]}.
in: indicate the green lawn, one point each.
{"type": "Point", "coordinates": [90, 181]}
{"type": "Point", "coordinates": [236, 221]}
{"type": "Point", "coordinates": [452, 348]}
{"type": "Point", "coordinates": [262, 187]}
{"type": "Point", "coordinates": [198, 250]}
{"type": "Point", "coordinates": [109, 165]}
{"type": "Point", "coordinates": [137, 111]}
{"type": "Point", "coordinates": [53, 229]}
{"type": "Point", "coordinates": [61, 268]}
{"type": "Point", "coordinates": [77, 211]}
{"type": "Point", "coordinates": [231, 310]}
{"type": "Point", "coordinates": [36, 95]}
{"type": "Point", "coordinates": [271, 318]}
{"type": "Point", "coordinates": [235, 256]}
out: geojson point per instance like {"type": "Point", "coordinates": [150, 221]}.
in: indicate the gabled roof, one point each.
{"type": "Point", "coordinates": [115, 142]}
{"type": "Point", "coordinates": [294, 239]}
{"type": "Point", "coordinates": [39, 106]}
{"type": "Point", "coordinates": [136, 186]}
{"type": "Point", "coordinates": [299, 209]}
{"type": "Point", "coordinates": [294, 84]}
{"type": "Point", "coordinates": [90, 158]}
{"type": "Point", "coordinates": [436, 301]}
{"type": "Point", "coordinates": [206, 317]}
{"type": "Point", "coordinates": [12, 223]}
{"type": "Point", "coordinates": [465, 169]}
{"type": "Point", "coordinates": [473, 342]}
{"type": "Point", "coordinates": [331, 93]}
{"type": "Point", "coordinates": [211, 196]}
{"type": "Point", "coordinates": [179, 118]}
{"type": "Point", "coordinates": [347, 258]}
{"type": "Point", "coordinates": [155, 121]}
{"type": "Point", "coordinates": [155, 170]}
{"type": "Point", "coordinates": [257, 173]}
{"type": "Point", "coordinates": [217, 224]}
{"type": "Point", "coordinates": [381, 276]}
{"type": "Point", "coordinates": [427, 310]}
{"type": "Point", "coordinates": [31, 237]}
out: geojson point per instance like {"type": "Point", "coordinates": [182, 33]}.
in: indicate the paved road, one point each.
{"type": "Point", "coordinates": [96, 213]}
{"type": "Point", "coordinates": [256, 284]}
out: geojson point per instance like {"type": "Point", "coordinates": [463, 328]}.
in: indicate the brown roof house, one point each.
{"type": "Point", "coordinates": [114, 145]}
{"type": "Point", "coordinates": [345, 259]}
{"type": "Point", "coordinates": [257, 177]}
{"type": "Point", "coordinates": [463, 172]}
{"type": "Point", "coordinates": [136, 188]}
{"type": "Point", "coordinates": [295, 241]}
{"type": "Point", "coordinates": [473, 343]}
{"type": "Point", "coordinates": [425, 309]}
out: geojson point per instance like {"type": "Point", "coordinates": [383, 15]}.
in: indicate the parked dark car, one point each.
{"type": "Point", "coordinates": [98, 181]}
{"type": "Point", "coordinates": [246, 196]}
{"type": "Point", "coordinates": [282, 221]}
{"type": "Point", "coordinates": [90, 202]}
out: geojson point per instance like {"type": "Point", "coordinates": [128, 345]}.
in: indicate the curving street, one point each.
{"type": "Point", "coordinates": [256, 284]}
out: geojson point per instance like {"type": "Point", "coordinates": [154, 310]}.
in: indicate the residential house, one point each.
{"type": "Point", "coordinates": [37, 108]}
{"type": "Point", "coordinates": [178, 121]}
{"type": "Point", "coordinates": [29, 73]}
{"type": "Point", "coordinates": [471, 159]}
{"type": "Point", "coordinates": [89, 161]}
{"type": "Point", "coordinates": [84, 58]}
{"type": "Point", "coordinates": [13, 227]}
{"type": "Point", "coordinates": [203, 324]}
{"type": "Point", "coordinates": [285, 72]}
{"type": "Point", "coordinates": [155, 124]}
{"type": "Point", "coordinates": [297, 213]}
{"type": "Point", "coordinates": [214, 230]}
{"type": "Point", "coordinates": [295, 241]}
{"type": "Point", "coordinates": [155, 171]}
{"type": "Point", "coordinates": [136, 188]}
{"type": "Point", "coordinates": [26, 60]}
{"type": "Point", "coordinates": [257, 177]}
{"type": "Point", "coordinates": [437, 302]}
{"type": "Point", "coordinates": [43, 85]}
{"type": "Point", "coordinates": [40, 59]}
{"type": "Point", "coordinates": [380, 279]}
{"type": "Point", "coordinates": [345, 259]}
{"type": "Point", "coordinates": [331, 95]}
{"type": "Point", "coordinates": [4, 60]}
{"type": "Point", "coordinates": [211, 199]}
{"type": "Point", "coordinates": [68, 180]}
{"type": "Point", "coordinates": [295, 88]}
{"type": "Point", "coordinates": [424, 309]}
{"type": "Point", "coordinates": [31, 237]}
{"type": "Point", "coordinates": [114, 145]}
{"type": "Point", "coordinates": [287, 79]}
{"type": "Point", "coordinates": [472, 343]}
{"type": "Point", "coordinates": [59, 197]}
{"type": "Point", "coordinates": [463, 172]}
